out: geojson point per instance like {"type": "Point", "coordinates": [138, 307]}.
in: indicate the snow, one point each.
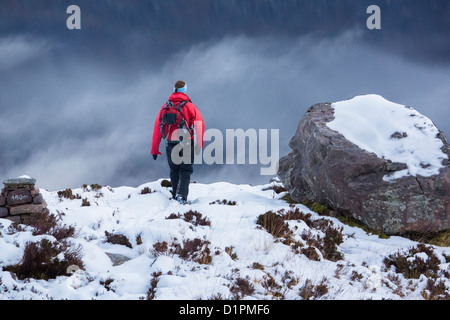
{"type": "Point", "coordinates": [236, 245]}
{"type": "Point", "coordinates": [370, 121]}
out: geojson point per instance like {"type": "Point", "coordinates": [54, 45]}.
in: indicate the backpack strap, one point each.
{"type": "Point", "coordinates": [180, 108]}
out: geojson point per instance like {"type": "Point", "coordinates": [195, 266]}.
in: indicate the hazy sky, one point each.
{"type": "Point", "coordinates": [78, 106]}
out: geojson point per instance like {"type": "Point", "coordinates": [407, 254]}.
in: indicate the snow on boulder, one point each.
{"type": "Point", "coordinates": [391, 131]}
{"type": "Point", "coordinates": [382, 163]}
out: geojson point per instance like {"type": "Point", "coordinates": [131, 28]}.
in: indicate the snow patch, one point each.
{"type": "Point", "coordinates": [24, 177]}
{"type": "Point", "coordinates": [239, 248]}
{"type": "Point", "coordinates": [391, 131]}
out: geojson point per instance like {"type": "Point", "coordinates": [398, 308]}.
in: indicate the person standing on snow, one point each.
{"type": "Point", "coordinates": [177, 121]}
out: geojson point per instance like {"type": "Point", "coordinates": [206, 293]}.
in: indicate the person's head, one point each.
{"type": "Point", "coordinates": [180, 86]}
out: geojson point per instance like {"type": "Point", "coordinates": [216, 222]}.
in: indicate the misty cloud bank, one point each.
{"type": "Point", "coordinates": [15, 50]}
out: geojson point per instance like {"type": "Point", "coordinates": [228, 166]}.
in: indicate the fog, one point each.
{"type": "Point", "coordinates": [69, 119]}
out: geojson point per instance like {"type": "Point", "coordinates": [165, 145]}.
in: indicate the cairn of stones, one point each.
{"type": "Point", "coordinates": [20, 198]}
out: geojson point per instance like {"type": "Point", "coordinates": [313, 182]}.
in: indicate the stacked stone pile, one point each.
{"type": "Point", "coordinates": [20, 198]}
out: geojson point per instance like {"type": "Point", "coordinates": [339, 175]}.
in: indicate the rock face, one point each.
{"type": "Point", "coordinates": [117, 259]}
{"type": "Point", "coordinates": [327, 168]}
{"type": "Point", "coordinates": [3, 212]}
{"type": "Point", "coordinates": [18, 196]}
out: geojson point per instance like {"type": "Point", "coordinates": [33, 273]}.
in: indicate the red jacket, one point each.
{"type": "Point", "coordinates": [192, 117]}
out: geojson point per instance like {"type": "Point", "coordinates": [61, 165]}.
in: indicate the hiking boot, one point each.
{"type": "Point", "coordinates": [181, 200]}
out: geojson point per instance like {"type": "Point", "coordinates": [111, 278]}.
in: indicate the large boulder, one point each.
{"type": "Point", "coordinates": [379, 162]}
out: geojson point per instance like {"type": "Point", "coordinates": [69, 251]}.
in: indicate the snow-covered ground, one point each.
{"type": "Point", "coordinates": [244, 260]}
{"type": "Point", "coordinates": [391, 131]}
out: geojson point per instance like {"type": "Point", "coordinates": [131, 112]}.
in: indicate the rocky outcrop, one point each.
{"type": "Point", "coordinates": [325, 167]}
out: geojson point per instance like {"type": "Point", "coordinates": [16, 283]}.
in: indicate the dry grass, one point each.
{"type": "Point", "coordinates": [41, 260]}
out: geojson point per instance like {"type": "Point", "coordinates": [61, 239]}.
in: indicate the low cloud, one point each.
{"type": "Point", "coordinates": [15, 50]}
{"type": "Point", "coordinates": [85, 121]}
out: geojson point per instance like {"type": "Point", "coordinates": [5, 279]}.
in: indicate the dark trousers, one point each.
{"type": "Point", "coordinates": [180, 174]}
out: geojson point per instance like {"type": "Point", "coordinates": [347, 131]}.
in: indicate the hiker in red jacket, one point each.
{"type": "Point", "coordinates": [177, 121]}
